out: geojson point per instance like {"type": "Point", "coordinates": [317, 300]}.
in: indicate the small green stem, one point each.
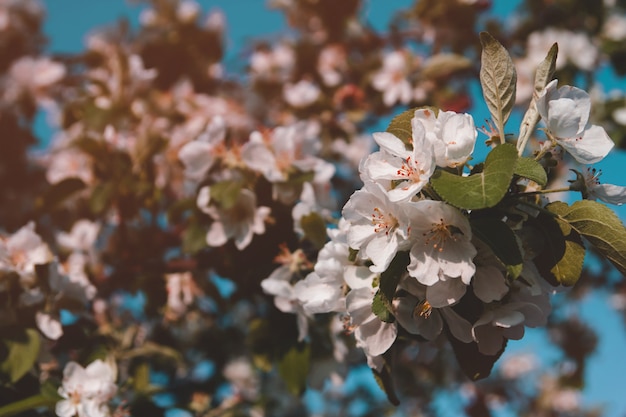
{"type": "Point", "coordinates": [552, 190]}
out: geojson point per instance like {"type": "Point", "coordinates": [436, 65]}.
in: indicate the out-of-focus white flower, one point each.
{"type": "Point", "coordinates": [574, 47]}
{"type": "Point", "coordinates": [21, 251]}
{"type": "Point", "coordinates": [614, 27]}
{"type": "Point", "coordinates": [199, 155]}
{"type": "Point", "coordinates": [331, 63]}
{"type": "Point", "coordinates": [49, 325]}
{"type": "Point", "coordinates": [619, 115]}
{"type": "Point", "coordinates": [82, 237]}
{"type": "Point", "coordinates": [273, 64]}
{"type": "Point", "coordinates": [239, 222]}
{"type": "Point", "coordinates": [566, 114]}
{"type": "Point", "coordinates": [33, 76]}
{"type": "Point", "coordinates": [411, 169]}
{"type": "Point", "coordinates": [187, 11]}
{"type": "Point", "coordinates": [215, 21]}
{"type": "Point", "coordinates": [392, 81]}
{"type": "Point", "coordinates": [69, 163]}
{"type": "Point", "coordinates": [244, 378]}
{"type": "Point", "coordinates": [86, 391]}
{"type": "Point", "coordinates": [319, 295]}
{"type": "Point", "coordinates": [301, 94]}
{"type": "Point", "coordinates": [315, 198]}
{"type": "Point", "coordinates": [517, 365]}
{"type": "Point", "coordinates": [180, 292]}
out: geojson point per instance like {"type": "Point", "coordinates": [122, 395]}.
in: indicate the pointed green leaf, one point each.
{"type": "Point", "coordinates": [22, 348]}
{"type": "Point", "coordinates": [599, 225]}
{"type": "Point", "coordinates": [561, 255]}
{"type": "Point", "coordinates": [384, 380]}
{"type": "Point", "coordinates": [498, 80]}
{"type": "Point", "coordinates": [483, 189]}
{"type": "Point", "coordinates": [475, 365]}
{"type": "Point", "coordinates": [400, 126]}
{"type": "Point", "coordinates": [501, 239]}
{"type": "Point", "coordinates": [531, 169]}
{"type": "Point", "coordinates": [381, 305]}
{"type": "Point", "coordinates": [543, 76]}
{"type": "Point", "coordinates": [443, 65]}
{"type": "Point", "coordinates": [226, 193]}
{"type": "Point", "coordinates": [294, 368]}
{"type": "Point", "coordinates": [30, 403]}
{"type": "Point", "coordinates": [314, 229]}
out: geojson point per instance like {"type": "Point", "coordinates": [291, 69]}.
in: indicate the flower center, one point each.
{"type": "Point", "coordinates": [410, 170]}
{"type": "Point", "coordinates": [383, 222]}
{"type": "Point", "coordinates": [440, 233]}
{"type": "Point", "coordinates": [423, 309]}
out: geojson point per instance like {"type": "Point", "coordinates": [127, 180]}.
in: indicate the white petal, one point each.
{"type": "Point", "coordinates": [489, 284]}
{"type": "Point", "coordinates": [377, 336]}
{"type": "Point", "coordinates": [445, 293]}
{"type": "Point", "coordinates": [609, 193]}
{"type": "Point", "coordinates": [391, 143]}
{"type": "Point", "coordinates": [459, 327]}
{"type": "Point", "coordinates": [49, 326]}
{"type": "Point", "coordinates": [591, 147]}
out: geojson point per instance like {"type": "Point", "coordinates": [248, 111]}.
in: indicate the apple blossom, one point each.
{"type": "Point", "coordinates": [566, 114]}
{"type": "Point", "coordinates": [588, 182]}
{"type": "Point", "coordinates": [442, 247]}
{"type": "Point", "coordinates": [411, 169]}
{"type": "Point", "coordinates": [198, 156]}
{"type": "Point", "coordinates": [21, 251]}
{"type": "Point", "coordinates": [239, 222]}
{"type": "Point", "coordinates": [301, 94]}
{"type": "Point", "coordinates": [391, 79]}
{"type": "Point", "coordinates": [86, 391]}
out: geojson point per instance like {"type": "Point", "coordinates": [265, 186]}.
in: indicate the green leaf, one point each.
{"type": "Point", "coordinates": [389, 279]}
{"type": "Point", "coordinates": [443, 65]}
{"type": "Point", "coordinates": [22, 347]}
{"type": "Point", "coordinates": [294, 368]}
{"type": "Point", "coordinates": [226, 193]}
{"type": "Point", "coordinates": [561, 255]}
{"type": "Point", "coordinates": [498, 80]}
{"type": "Point", "coordinates": [36, 401]}
{"type": "Point", "coordinates": [102, 197]}
{"type": "Point", "coordinates": [599, 225]}
{"type": "Point", "coordinates": [480, 190]}
{"type": "Point", "coordinates": [502, 241]}
{"type": "Point", "coordinates": [475, 365]}
{"type": "Point", "coordinates": [384, 379]}
{"type": "Point", "coordinates": [531, 169]}
{"type": "Point", "coordinates": [400, 125]}
{"type": "Point", "coordinates": [543, 76]}
{"type": "Point", "coordinates": [314, 229]}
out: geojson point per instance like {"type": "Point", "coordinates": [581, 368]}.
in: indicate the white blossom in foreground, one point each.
{"type": "Point", "coordinates": [411, 169]}
{"type": "Point", "coordinates": [86, 391]}
{"type": "Point", "coordinates": [594, 190]}
{"type": "Point", "coordinates": [372, 334]}
{"type": "Point", "coordinates": [378, 227]}
{"type": "Point", "coordinates": [442, 250]}
{"type": "Point", "coordinates": [239, 222]}
{"type": "Point", "coordinates": [566, 114]}
{"type": "Point", "coordinates": [417, 315]}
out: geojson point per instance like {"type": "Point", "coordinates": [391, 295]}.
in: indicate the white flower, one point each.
{"type": "Point", "coordinates": [69, 163]}
{"type": "Point", "coordinates": [319, 295]}
{"type": "Point", "coordinates": [21, 251]}
{"type": "Point", "coordinates": [330, 64]}
{"type": "Point", "coordinates": [417, 315]}
{"type": "Point", "coordinates": [34, 76]}
{"type": "Point", "coordinates": [614, 27]}
{"type": "Point", "coordinates": [315, 198]}
{"type": "Point", "coordinates": [391, 79]}
{"type": "Point", "coordinates": [442, 248]}
{"type": "Point", "coordinates": [378, 226]}
{"type": "Point", "coordinates": [199, 155]}
{"type": "Point", "coordinates": [180, 292]}
{"type": "Point", "coordinates": [566, 114]}
{"type": "Point", "coordinates": [50, 326]}
{"type": "Point", "coordinates": [87, 390]}
{"type": "Point", "coordinates": [410, 169]}
{"type": "Point", "coordinates": [82, 237]}
{"type": "Point", "coordinates": [187, 11]}
{"type": "Point", "coordinates": [301, 94]}
{"type": "Point", "coordinates": [507, 320]}
{"type": "Point", "coordinates": [609, 193]}
{"type": "Point", "coordinates": [373, 335]}
{"type": "Point", "coordinates": [456, 137]}
{"type": "Point", "coordinates": [239, 222]}
{"type": "Point", "coordinates": [242, 375]}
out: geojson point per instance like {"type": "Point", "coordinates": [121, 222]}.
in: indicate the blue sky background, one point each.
{"type": "Point", "coordinates": [69, 21]}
